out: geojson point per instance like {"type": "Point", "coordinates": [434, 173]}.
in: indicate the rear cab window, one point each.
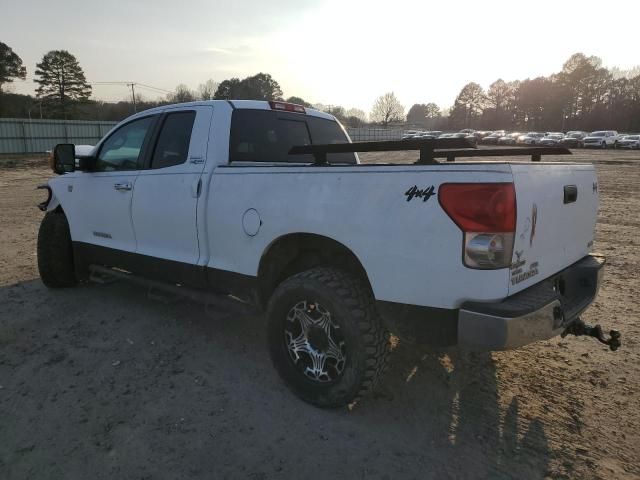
{"type": "Point", "coordinates": [267, 136]}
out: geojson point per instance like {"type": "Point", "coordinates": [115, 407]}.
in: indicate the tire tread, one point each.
{"type": "Point", "coordinates": [55, 252]}
{"type": "Point", "coordinates": [355, 295]}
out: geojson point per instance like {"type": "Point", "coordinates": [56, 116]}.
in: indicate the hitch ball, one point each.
{"type": "Point", "coordinates": [579, 328]}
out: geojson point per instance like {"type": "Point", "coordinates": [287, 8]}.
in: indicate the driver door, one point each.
{"type": "Point", "coordinates": [103, 196]}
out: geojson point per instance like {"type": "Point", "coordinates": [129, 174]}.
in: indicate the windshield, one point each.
{"type": "Point", "coordinates": [597, 134]}
{"type": "Point", "coordinates": [632, 137]}
{"type": "Point", "coordinates": [574, 135]}
{"type": "Point", "coordinates": [267, 136]}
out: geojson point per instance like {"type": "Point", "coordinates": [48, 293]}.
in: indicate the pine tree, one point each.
{"type": "Point", "coordinates": [61, 82]}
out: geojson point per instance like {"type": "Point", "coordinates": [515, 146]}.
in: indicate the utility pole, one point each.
{"type": "Point", "coordinates": [133, 96]}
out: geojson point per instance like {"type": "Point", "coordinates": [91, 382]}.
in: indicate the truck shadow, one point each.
{"type": "Point", "coordinates": [454, 398]}
{"type": "Point", "coordinates": [172, 371]}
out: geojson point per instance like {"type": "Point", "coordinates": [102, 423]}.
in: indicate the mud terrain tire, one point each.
{"type": "Point", "coordinates": [55, 252]}
{"type": "Point", "coordinates": [350, 307]}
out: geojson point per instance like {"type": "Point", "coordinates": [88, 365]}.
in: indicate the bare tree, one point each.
{"type": "Point", "coordinates": [629, 73]}
{"type": "Point", "coordinates": [356, 113]}
{"type": "Point", "coordinates": [336, 110]}
{"type": "Point", "coordinates": [423, 114]}
{"type": "Point", "coordinates": [181, 94]}
{"type": "Point", "coordinates": [207, 90]}
{"type": "Point", "coordinates": [432, 111]}
{"type": "Point", "coordinates": [387, 109]}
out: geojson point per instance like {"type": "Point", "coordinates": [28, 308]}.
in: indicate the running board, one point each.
{"type": "Point", "coordinates": [101, 274]}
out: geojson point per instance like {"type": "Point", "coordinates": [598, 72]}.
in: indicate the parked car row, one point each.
{"type": "Point", "coordinates": [572, 139]}
{"type": "Point", "coordinates": [414, 134]}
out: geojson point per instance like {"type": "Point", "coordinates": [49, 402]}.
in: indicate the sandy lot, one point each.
{"type": "Point", "coordinates": [103, 382]}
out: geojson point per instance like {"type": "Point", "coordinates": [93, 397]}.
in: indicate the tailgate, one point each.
{"type": "Point", "coordinates": [557, 207]}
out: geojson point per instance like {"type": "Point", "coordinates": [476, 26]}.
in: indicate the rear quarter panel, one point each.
{"type": "Point", "coordinates": [411, 250]}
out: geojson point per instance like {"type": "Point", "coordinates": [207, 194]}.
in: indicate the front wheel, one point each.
{"type": "Point", "coordinates": [55, 253]}
{"type": "Point", "coordinates": [325, 336]}
{"type": "Point", "coordinates": [604, 144]}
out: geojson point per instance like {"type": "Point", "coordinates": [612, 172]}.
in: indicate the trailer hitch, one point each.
{"type": "Point", "coordinates": [579, 328]}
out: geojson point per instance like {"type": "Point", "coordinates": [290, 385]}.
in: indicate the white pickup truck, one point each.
{"type": "Point", "coordinates": [268, 202]}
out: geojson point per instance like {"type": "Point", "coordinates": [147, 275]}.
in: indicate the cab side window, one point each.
{"type": "Point", "coordinates": [122, 150]}
{"type": "Point", "coordinates": [172, 147]}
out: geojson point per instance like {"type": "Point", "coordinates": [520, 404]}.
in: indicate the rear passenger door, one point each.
{"type": "Point", "coordinates": [165, 199]}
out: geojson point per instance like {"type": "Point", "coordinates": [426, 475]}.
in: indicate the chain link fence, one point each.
{"type": "Point", "coordinates": [369, 134]}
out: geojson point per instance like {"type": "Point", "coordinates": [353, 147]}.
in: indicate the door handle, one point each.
{"type": "Point", "coordinates": [196, 188]}
{"type": "Point", "coordinates": [121, 187]}
{"type": "Point", "coordinates": [570, 193]}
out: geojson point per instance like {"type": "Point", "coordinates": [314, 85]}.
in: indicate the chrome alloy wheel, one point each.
{"type": "Point", "coordinates": [314, 342]}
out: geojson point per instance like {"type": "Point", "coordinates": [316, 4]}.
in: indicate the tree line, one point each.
{"type": "Point", "coordinates": [583, 95]}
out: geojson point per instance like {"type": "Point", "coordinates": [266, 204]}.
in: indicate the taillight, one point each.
{"type": "Point", "coordinates": [486, 214]}
{"type": "Point", "coordinates": [287, 107]}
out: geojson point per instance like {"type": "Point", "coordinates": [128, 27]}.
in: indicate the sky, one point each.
{"type": "Point", "coordinates": [336, 52]}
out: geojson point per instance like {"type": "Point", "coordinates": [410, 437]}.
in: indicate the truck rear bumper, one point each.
{"type": "Point", "coordinates": [540, 312]}
{"type": "Point", "coordinates": [537, 313]}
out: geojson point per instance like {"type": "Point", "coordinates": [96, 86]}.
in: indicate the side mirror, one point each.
{"type": "Point", "coordinates": [64, 158]}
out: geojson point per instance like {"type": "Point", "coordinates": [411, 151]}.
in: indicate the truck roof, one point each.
{"type": "Point", "coordinates": [235, 104]}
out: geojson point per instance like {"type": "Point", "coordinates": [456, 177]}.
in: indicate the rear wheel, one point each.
{"type": "Point", "coordinates": [55, 253]}
{"type": "Point", "coordinates": [604, 144]}
{"type": "Point", "coordinates": [325, 336]}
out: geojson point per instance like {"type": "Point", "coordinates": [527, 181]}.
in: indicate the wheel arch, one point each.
{"type": "Point", "coordinates": [296, 252]}
{"type": "Point", "coordinates": [52, 201]}
{"type": "Point", "coordinates": [54, 204]}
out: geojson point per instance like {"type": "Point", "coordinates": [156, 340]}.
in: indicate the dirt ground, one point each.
{"type": "Point", "coordinates": [104, 382]}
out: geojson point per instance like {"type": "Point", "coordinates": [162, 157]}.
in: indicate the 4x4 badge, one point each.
{"type": "Point", "coordinates": [423, 193]}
